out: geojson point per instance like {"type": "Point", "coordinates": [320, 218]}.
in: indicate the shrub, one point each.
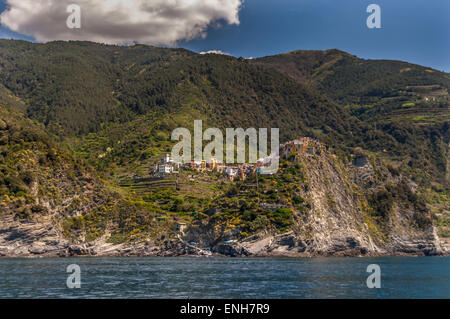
{"type": "Point", "coordinates": [282, 217]}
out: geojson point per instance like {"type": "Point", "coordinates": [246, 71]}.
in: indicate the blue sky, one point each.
{"type": "Point", "coordinates": [416, 31]}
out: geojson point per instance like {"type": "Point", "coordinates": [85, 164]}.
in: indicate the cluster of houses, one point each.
{"type": "Point", "coordinates": [304, 146]}
{"type": "Point", "coordinates": [167, 167]}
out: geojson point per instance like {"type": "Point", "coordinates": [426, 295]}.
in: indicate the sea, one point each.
{"type": "Point", "coordinates": [225, 278]}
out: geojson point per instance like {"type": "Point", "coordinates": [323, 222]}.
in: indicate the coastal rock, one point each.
{"type": "Point", "coordinates": [80, 250]}
{"type": "Point", "coordinates": [338, 221]}
{"type": "Point", "coordinates": [230, 250]}
{"type": "Point", "coordinates": [38, 248]}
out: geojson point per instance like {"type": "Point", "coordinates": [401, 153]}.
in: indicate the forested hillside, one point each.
{"type": "Point", "coordinates": [388, 107]}
{"type": "Point", "coordinates": [409, 103]}
{"type": "Point", "coordinates": [82, 122]}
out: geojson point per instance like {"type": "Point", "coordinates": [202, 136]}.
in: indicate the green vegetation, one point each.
{"type": "Point", "coordinates": [81, 125]}
{"type": "Point", "coordinates": [404, 107]}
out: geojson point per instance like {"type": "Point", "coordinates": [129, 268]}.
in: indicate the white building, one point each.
{"type": "Point", "coordinates": [165, 169]}
{"type": "Point", "coordinates": [231, 171]}
{"type": "Point", "coordinates": [167, 159]}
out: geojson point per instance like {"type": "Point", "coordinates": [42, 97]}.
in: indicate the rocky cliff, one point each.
{"type": "Point", "coordinates": [353, 206]}
{"type": "Point", "coordinates": [356, 208]}
{"type": "Point", "coordinates": [76, 151]}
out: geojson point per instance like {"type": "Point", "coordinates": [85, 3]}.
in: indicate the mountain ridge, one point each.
{"type": "Point", "coordinates": [111, 109]}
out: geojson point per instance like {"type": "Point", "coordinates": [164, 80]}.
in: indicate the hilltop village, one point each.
{"type": "Point", "coordinates": [89, 167]}
{"type": "Point", "coordinates": [167, 166]}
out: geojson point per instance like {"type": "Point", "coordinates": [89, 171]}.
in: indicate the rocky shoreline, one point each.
{"type": "Point", "coordinates": [262, 245]}
{"type": "Point", "coordinates": [337, 220]}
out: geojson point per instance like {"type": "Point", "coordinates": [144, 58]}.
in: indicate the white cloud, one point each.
{"type": "Point", "coordinates": [214, 52]}
{"type": "Point", "coordinates": [157, 22]}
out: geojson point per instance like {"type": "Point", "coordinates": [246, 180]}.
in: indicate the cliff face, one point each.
{"type": "Point", "coordinates": [85, 189]}
{"type": "Point", "coordinates": [41, 186]}
{"type": "Point", "coordinates": [359, 208]}
{"type": "Point", "coordinates": [356, 207]}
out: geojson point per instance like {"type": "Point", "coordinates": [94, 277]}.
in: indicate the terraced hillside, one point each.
{"type": "Point", "coordinates": [89, 121]}
{"type": "Point", "coordinates": [408, 102]}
